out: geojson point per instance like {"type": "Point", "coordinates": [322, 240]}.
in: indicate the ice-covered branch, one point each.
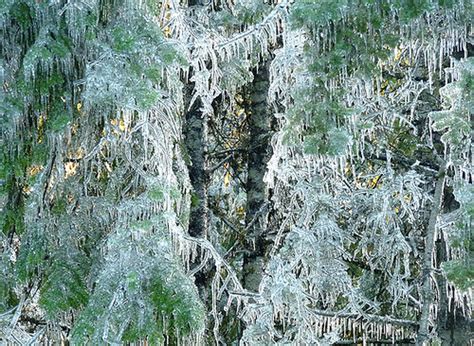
{"type": "Point", "coordinates": [366, 317]}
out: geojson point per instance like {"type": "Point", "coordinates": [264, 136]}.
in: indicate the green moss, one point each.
{"type": "Point", "coordinates": [46, 83]}
{"type": "Point", "coordinates": [40, 153]}
{"type": "Point", "coordinates": [180, 308]}
{"type": "Point", "coordinates": [153, 74]}
{"type": "Point", "coordinates": [147, 98]}
{"type": "Point", "coordinates": [312, 13]}
{"type": "Point", "coordinates": [412, 9]}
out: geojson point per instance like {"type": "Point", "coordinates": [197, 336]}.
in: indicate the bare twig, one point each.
{"type": "Point", "coordinates": [35, 337]}
{"type": "Point", "coordinates": [8, 312]}
{"type": "Point", "coordinates": [219, 164]}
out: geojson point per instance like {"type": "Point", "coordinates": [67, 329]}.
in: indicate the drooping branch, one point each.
{"type": "Point", "coordinates": [265, 26]}
{"type": "Point", "coordinates": [366, 317]}
{"type": "Point", "coordinates": [376, 341]}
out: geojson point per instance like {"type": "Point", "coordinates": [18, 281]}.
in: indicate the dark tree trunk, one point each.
{"type": "Point", "coordinates": [259, 152]}
{"type": "Point", "coordinates": [195, 141]}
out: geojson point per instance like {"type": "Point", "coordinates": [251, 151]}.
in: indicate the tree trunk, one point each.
{"type": "Point", "coordinates": [427, 265]}
{"type": "Point", "coordinates": [195, 141]}
{"type": "Point", "coordinates": [259, 152]}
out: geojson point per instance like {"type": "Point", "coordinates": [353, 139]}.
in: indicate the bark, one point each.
{"type": "Point", "coordinates": [195, 140]}
{"type": "Point", "coordinates": [257, 193]}
{"type": "Point", "coordinates": [427, 265]}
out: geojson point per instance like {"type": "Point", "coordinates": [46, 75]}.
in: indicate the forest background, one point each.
{"type": "Point", "coordinates": [236, 172]}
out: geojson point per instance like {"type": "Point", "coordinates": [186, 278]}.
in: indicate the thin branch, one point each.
{"type": "Point", "coordinates": [205, 244]}
{"type": "Point", "coordinates": [32, 341]}
{"type": "Point", "coordinates": [222, 152]}
{"type": "Point", "coordinates": [219, 164]}
{"type": "Point", "coordinates": [226, 221]}
{"type": "Point", "coordinates": [262, 209]}
{"type": "Point", "coordinates": [200, 266]}
{"type": "Point", "coordinates": [409, 163]}
{"type": "Point", "coordinates": [15, 317]}
{"type": "Point", "coordinates": [8, 312]}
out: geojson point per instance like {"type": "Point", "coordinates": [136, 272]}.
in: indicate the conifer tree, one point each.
{"type": "Point", "coordinates": [236, 172]}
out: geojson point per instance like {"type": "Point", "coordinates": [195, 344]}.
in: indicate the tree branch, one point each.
{"type": "Point", "coordinates": [366, 317]}
{"type": "Point", "coordinates": [376, 341]}
{"type": "Point", "coordinates": [210, 170]}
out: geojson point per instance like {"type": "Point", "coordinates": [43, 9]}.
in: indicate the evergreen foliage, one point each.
{"type": "Point", "coordinates": [360, 230]}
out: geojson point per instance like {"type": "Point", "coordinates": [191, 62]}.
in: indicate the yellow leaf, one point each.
{"type": "Point", "coordinates": [240, 211]}
{"type": "Point", "coordinates": [76, 154]}
{"type": "Point", "coordinates": [347, 169]}
{"type": "Point", "coordinates": [406, 62]}
{"type": "Point", "coordinates": [70, 169]}
{"type": "Point", "coordinates": [41, 120]}
{"type": "Point", "coordinates": [34, 169]}
{"type": "Point", "coordinates": [398, 54]}
{"type": "Point", "coordinates": [122, 126]}
{"type": "Point", "coordinates": [373, 183]}
{"type": "Point", "coordinates": [227, 178]}
{"type": "Point", "coordinates": [239, 112]}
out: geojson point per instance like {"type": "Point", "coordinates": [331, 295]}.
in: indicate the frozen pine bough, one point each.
{"type": "Point", "coordinates": [120, 119]}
